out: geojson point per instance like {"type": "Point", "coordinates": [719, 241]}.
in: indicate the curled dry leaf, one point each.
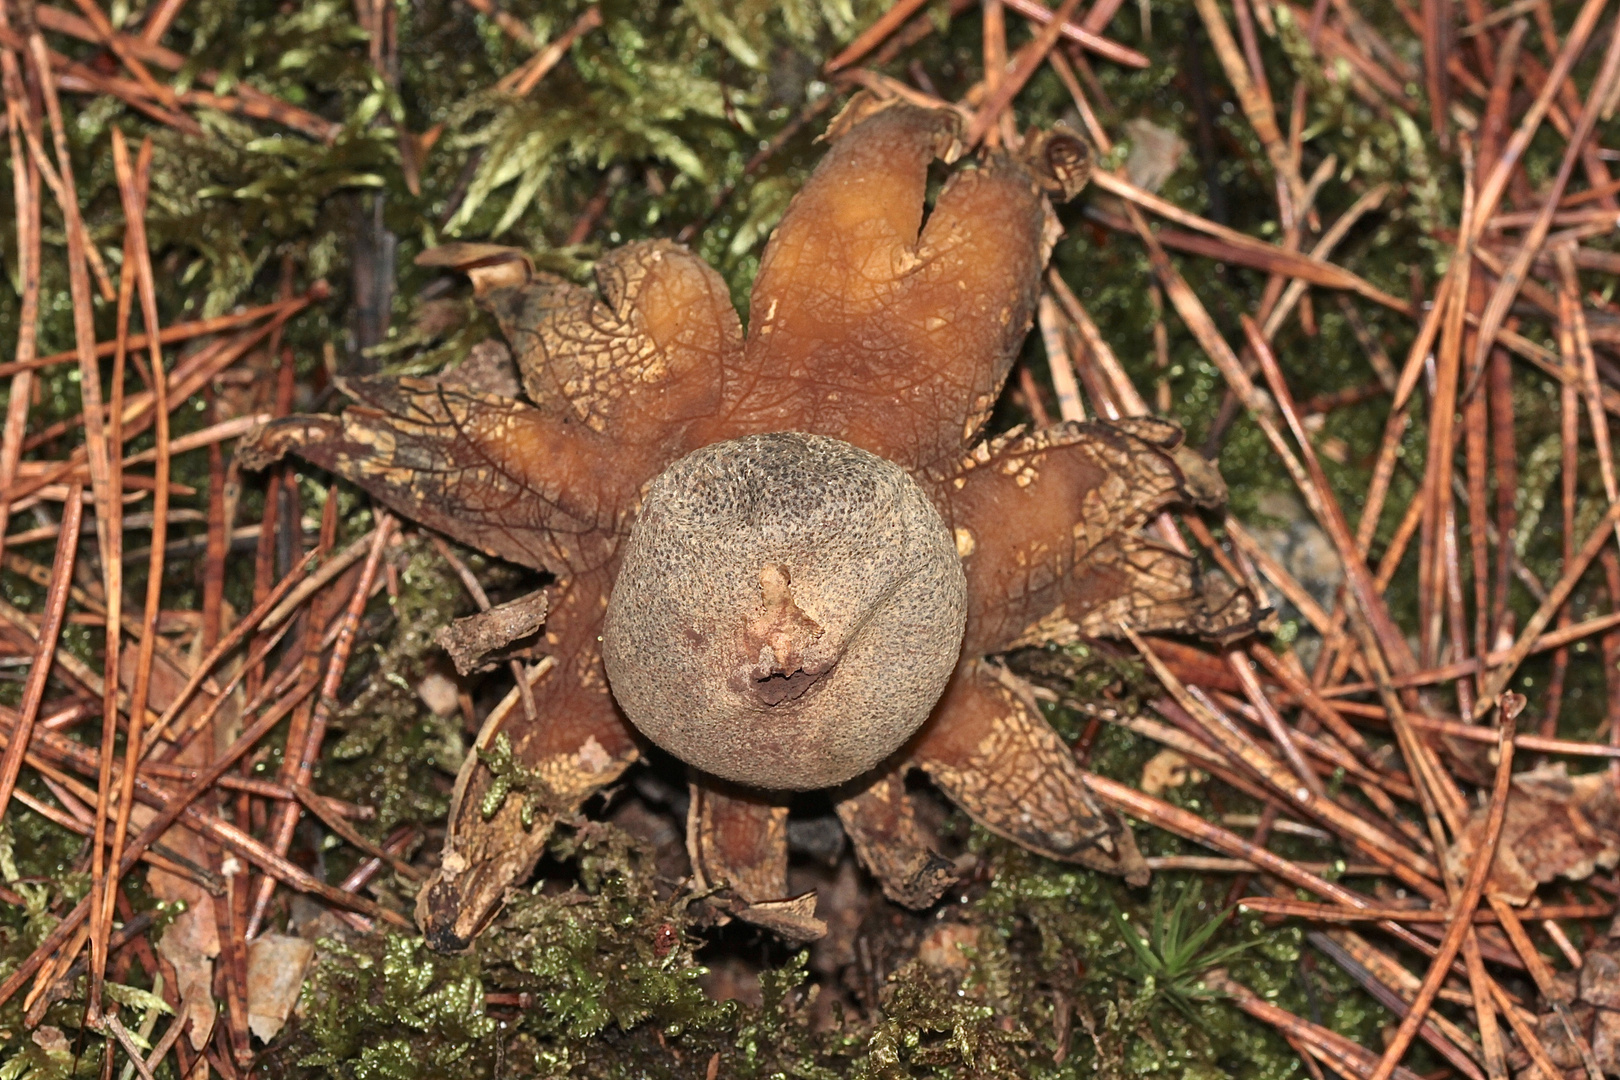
{"type": "Point", "coordinates": [1595, 1013]}
{"type": "Point", "coordinates": [1156, 153]}
{"type": "Point", "coordinates": [878, 335]}
{"type": "Point", "coordinates": [50, 1039]}
{"type": "Point", "coordinates": [1557, 825]}
{"type": "Point", "coordinates": [190, 943]}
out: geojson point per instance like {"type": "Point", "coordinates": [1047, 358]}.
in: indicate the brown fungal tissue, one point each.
{"type": "Point", "coordinates": [787, 556]}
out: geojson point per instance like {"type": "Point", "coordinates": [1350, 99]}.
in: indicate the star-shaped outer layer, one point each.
{"type": "Point", "coordinates": [868, 325]}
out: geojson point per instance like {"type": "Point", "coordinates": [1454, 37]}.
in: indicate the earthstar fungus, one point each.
{"type": "Point", "coordinates": [787, 612]}
{"type": "Point", "coordinates": [792, 549]}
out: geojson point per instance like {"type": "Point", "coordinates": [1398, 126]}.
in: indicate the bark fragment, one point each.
{"type": "Point", "coordinates": [471, 641]}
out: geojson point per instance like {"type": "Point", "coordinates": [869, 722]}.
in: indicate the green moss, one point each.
{"type": "Point", "coordinates": [610, 988]}
{"type": "Point", "coordinates": [927, 1027]}
{"type": "Point", "coordinates": [511, 777]}
{"type": "Point", "coordinates": [600, 980]}
{"type": "Point", "coordinates": [602, 969]}
{"type": "Point", "coordinates": [388, 1007]}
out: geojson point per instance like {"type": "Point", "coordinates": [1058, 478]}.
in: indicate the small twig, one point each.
{"type": "Point", "coordinates": [521, 80]}
{"type": "Point", "coordinates": [1005, 86]}
{"type": "Point", "coordinates": [1305, 909]}
{"type": "Point", "coordinates": [309, 750]}
{"type": "Point", "coordinates": [1338, 1052]}
{"type": "Point", "coordinates": [1257, 106]}
{"type": "Point", "coordinates": [322, 808]}
{"type": "Point", "coordinates": [50, 630]}
{"type": "Point", "coordinates": [1379, 845]}
{"type": "Point", "coordinates": [1467, 899]}
{"type": "Point", "coordinates": [254, 619]}
{"type": "Point", "coordinates": [25, 181]}
{"type": "Point", "coordinates": [171, 335]}
{"type": "Point", "coordinates": [1498, 679]}
{"type": "Point", "coordinates": [130, 1049]}
{"type": "Point", "coordinates": [873, 35]}
{"type": "Point", "coordinates": [514, 27]}
{"type": "Point", "coordinates": [290, 603]}
{"type": "Point", "coordinates": [1491, 191]}
{"type": "Point", "coordinates": [1083, 35]}
{"type": "Point", "coordinates": [1059, 365]}
{"type": "Point", "coordinates": [132, 184]}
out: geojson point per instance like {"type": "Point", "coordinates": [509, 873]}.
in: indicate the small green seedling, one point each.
{"type": "Point", "coordinates": [1172, 956]}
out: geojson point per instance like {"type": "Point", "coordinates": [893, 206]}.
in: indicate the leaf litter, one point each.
{"type": "Point", "coordinates": [1440, 170]}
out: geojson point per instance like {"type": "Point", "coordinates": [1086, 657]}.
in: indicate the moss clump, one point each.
{"type": "Point", "coordinates": [925, 1026]}
{"type": "Point", "coordinates": [600, 980]}
{"type": "Point", "coordinates": [615, 952]}
{"type": "Point", "coordinates": [511, 778]}
{"type": "Point", "coordinates": [1051, 939]}
{"type": "Point", "coordinates": [386, 1007]}
{"type": "Point", "coordinates": [583, 977]}
{"type": "Point", "coordinates": [37, 864]}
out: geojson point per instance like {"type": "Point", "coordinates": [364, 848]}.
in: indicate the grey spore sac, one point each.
{"type": "Point", "coordinates": [789, 610]}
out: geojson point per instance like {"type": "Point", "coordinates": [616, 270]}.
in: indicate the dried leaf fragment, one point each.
{"type": "Point", "coordinates": [276, 964]}
{"type": "Point", "coordinates": [1556, 826]}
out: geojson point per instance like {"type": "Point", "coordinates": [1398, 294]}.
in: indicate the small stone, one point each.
{"type": "Point", "coordinates": [819, 838]}
{"type": "Point", "coordinates": [1168, 769]}
{"type": "Point", "coordinates": [438, 693]}
{"type": "Point", "coordinates": [51, 1040]}
{"type": "Point", "coordinates": [941, 950]}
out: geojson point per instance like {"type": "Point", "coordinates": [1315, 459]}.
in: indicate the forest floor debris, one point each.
{"type": "Point", "coordinates": [1362, 255]}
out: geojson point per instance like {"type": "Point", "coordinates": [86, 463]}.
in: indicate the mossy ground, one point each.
{"type": "Point", "coordinates": [602, 969]}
